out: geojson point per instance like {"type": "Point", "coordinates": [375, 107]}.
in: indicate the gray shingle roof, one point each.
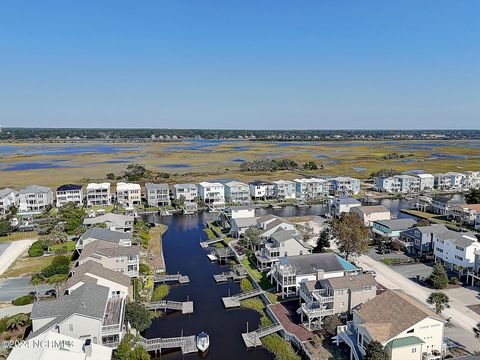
{"type": "Point", "coordinates": [35, 189]}
{"type": "Point", "coordinates": [432, 229]}
{"type": "Point", "coordinates": [245, 222]}
{"type": "Point", "coordinates": [458, 238]}
{"type": "Point", "coordinates": [81, 274]}
{"type": "Point", "coordinates": [5, 192]}
{"type": "Point", "coordinates": [153, 187]}
{"type": "Point", "coordinates": [309, 264]}
{"type": "Point", "coordinates": [105, 235]}
{"type": "Point", "coordinates": [118, 220]}
{"type": "Point", "coordinates": [353, 282]}
{"type": "Point", "coordinates": [108, 249]}
{"type": "Point", "coordinates": [397, 224]}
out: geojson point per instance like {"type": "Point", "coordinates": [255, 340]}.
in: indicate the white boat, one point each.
{"type": "Point", "coordinates": [203, 341]}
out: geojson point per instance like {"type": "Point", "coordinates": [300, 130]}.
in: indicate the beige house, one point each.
{"type": "Point", "coordinates": [129, 194]}
{"type": "Point", "coordinates": [371, 213]}
{"type": "Point", "coordinates": [116, 222]}
{"type": "Point", "coordinates": [406, 328]}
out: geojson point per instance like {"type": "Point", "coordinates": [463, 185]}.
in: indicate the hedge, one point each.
{"type": "Point", "coordinates": [23, 300]}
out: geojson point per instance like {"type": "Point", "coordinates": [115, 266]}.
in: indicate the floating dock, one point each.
{"type": "Point", "coordinates": [182, 279]}
{"type": "Point", "coordinates": [186, 307]}
{"type": "Point", "coordinates": [234, 301]}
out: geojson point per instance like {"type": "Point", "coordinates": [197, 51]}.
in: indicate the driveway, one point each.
{"type": "Point", "coordinates": [459, 313]}
{"type": "Point", "coordinates": [411, 271]}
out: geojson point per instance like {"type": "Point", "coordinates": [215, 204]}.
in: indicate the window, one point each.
{"type": "Point", "coordinates": [70, 327]}
{"type": "Point", "coordinates": [459, 248]}
{"type": "Point", "coordinates": [414, 350]}
{"type": "Point", "coordinates": [340, 292]}
{"type": "Point", "coordinates": [458, 257]}
{"type": "Point", "coordinates": [410, 331]}
{"type": "Point", "coordinates": [342, 304]}
{"type": "Point", "coordinates": [367, 288]}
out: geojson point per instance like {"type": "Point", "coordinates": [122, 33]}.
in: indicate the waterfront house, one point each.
{"type": "Point", "coordinates": [238, 219]}
{"type": "Point", "coordinates": [8, 198]}
{"type": "Point", "coordinates": [389, 184]}
{"type": "Point", "coordinates": [261, 190]}
{"type": "Point", "coordinates": [124, 259]}
{"type": "Point", "coordinates": [420, 239]}
{"type": "Point", "coordinates": [34, 199]}
{"type": "Point", "coordinates": [88, 312]}
{"type": "Point", "coordinates": [281, 243]}
{"type": "Point", "coordinates": [237, 192]}
{"type": "Point", "coordinates": [59, 347]}
{"type": "Point", "coordinates": [472, 179]}
{"type": "Point", "coordinates": [115, 222]}
{"type": "Point", "coordinates": [284, 189]}
{"type": "Point", "coordinates": [97, 233]}
{"type": "Point", "coordinates": [426, 182]}
{"type": "Point", "coordinates": [240, 225]}
{"type": "Point", "coordinates": [455, 250]}
{"type": "Point", "coordinates": [464, 213]}
{"type": "Point", "coordinates": [268, 224]}
{"type": "Point", "coordinates": [342, 204]}
{"type": "Point", "coordinates": [442, 181]}
{"type": "Point", "coordinates": [69, 193]}
{"type": "Point", "coordinates": [311, 188]}
{"type": "Point", "coordinates": [442, 204]}
{"type": "Point", "coordinates": [212, 194]}
{"type": "Point", "coordinates": [287, 274]}
{"type": "Point", "coordinates": [129, 194]}
{"type": "Point", "coordinates": [343, 185]}
{"type": "Point", "coordinates": [189, 192]}
{"type": "Point", "coordinates": [369, 214]}
{"type": "Point", "coordinates": [391, 229]}
{"type": "Point", "coordinates": [99, 194]}
{"type": "Point", "coordinates": [423, 203]}
{"type": "Point", "coordinates": [457, 180]}
{"type": "Point", "coordinates": [157, 195]}
{"type": "Point", "coordinates": [338, 295]}
{"type": "Point", "coordinates": [406, 328]}
{"type": "Point", "coordinates": [408, 183]}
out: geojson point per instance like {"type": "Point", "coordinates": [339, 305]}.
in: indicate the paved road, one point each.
{"type": "Point", "coordinates": [13, 310]}
{"type": "Point", "coordinates": [13, 288]}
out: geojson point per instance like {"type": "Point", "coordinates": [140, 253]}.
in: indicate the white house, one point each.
{"type": "Point", "coordinates": [237, 192]}
{"type": "Point", "coordinates": [157, 194]}
{"type": "Point", "coordinates": [371, 213]}
{"type": "Point", "coordinates": [426, 181]}
{"type": "Point", "coordinates": [98, 194]}
{"type": "Point", "coordinates": [343, 185]}
{"type": "Point", "coordinates": [261, 189]}
{"type": "Point", "coordinates": [457, 180]}
{"type": "Point", "coordinates": [442, 181]}
{"type": "Point", "coordinates": [456, 250]}
{"type": "Point", "coordinates": [406, 328]}
{"type": "Point", "coordinates": [464, 213]}
{"type": "Point", "coordinates": [343, 204]}
{"type": "Point", "coordinates": [188, 191]}
{"type": "Point", "coordinates": [311, 188]}
{"type": "Point", "coordinates": [35, 199]}
{"type": "Point", "coordinates": [389, 184]}
{"type": "Point", "coordinates": [284, 189]}
{"type": "Point", "coordinates": [472, 179]}
{"type": "Point", "coordinates": [69, 193]}
{"type": "Point", "coordinates": [212, 194]}
{"type": "Point", "coordinates": [8, 199]}
{"type": "Point", "coordinates": [129, 194]}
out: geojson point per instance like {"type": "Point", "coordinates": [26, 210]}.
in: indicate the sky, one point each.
{"type": "Point", "coordinates": [247, 64]}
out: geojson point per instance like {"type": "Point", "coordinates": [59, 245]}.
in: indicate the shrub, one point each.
{"type": "Point", "coordinates": [54, 270]}
{"type": "Point", "coordinates": [160, 292]}
{"type": "Point", "coordinates": [330, 324]}
{"type": "Point", "coordinates": [280, 347]}
{"type": "Point", "coordinates": [438, 278]}
{"type": "Point", "coordinates": [138, 316]}
{"type": "Point", "coordinates": [23, 300]}
{"type": "Point", "coordinates": [246, 285]}
{"type": "Point", "coordinates": [37, 249]}
{"type": "Point", "coordinates": [454, 280]}
{"type": "Point", "coordinates": [144, 269]}
{"type": "Point", "coordinates": [60, 260]}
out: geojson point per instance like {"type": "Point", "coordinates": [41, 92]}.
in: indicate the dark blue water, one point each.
{"type": "Point", "coordinates": [175, 166]}
{"type": "Point", "coordinates": [32, 166]}
{"type": "Point", "coordinates": [66, 149]}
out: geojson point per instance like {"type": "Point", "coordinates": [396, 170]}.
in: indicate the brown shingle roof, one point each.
{"type": "Point", "coordinates": [370, 209]}
{"type": "Point", "coordinates": [391, 313]}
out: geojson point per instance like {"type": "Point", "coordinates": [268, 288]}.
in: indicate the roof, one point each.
{"type": "Point", "coordinates": [310, 180]}
{"type": "Point", "coordinates": [245, 222]}
{"type": "Point", "coordinates": [353, 282]}
{"type": "Point", "coordinates": [118, 220]}
{"type": "Point", "coordinates": [150, 186]}
{"type": "Point", "coordinates": [185, 186]}
{"type": "Point", "coordinates": [397, 224]}
{"type": "Point", "coordinates": [371, 209]}
{"type": "Point", "coordinates": [242, 207]}
{"type": "Point", "coordinates": [104, 185]}
{"type": "Point", "coordinates": [105, 235]}
{"type": "Point", "coordinates": [458, 238]}
{"type": "Point", "coordinates": [69, 187]}
{"type": "Point", "coordinates": [475, 207]}
{"type": "Point", "coordinates": [390, 313]}
{"type": "Point", "coordinates": [283, 182]}
{"type": "Point", "coordinates": [432, 229]}
{"type": "Point", "coordinates": [424, 176]}
{"type": "Point", "coordinates": [446, 200]}
{"type": "Point", "coordinates": [83, 273]}
{"type": "Point", "coordinates": [5, 192]}
{"type": "Point", "coordinates": [206, 184]}
{"type": "Point", "coordinates": [267, 217]}
{"type": "Point", "coordinates": [98, 248]}
{"type": "Point", "coordinates": [311, 263]}
{"type": "Point", "coordinates": [235, 183]}
{"type": "Point", "coordinates": [406, 341]}
{"type": "Point", "coordinates": [259, 182]}
{"type": "Point", "coordinates": [121, 186]}
{"type": "Point", "coordinates": [35, 189]}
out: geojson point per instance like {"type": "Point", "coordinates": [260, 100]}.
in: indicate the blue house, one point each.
{"type": "Point", "coordinates": [421, 238]}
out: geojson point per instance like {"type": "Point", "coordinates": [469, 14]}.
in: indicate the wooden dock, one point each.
{"type": "Point", "coordinates": [186, 307]}
{"type": "Point", "coordinates": [253, 339]}
{"type": "Point", "coordinates": [237, 274]}
{"type": "Point", "coordinates": [206, 244]}
{"type": "Point", "coordinates": [187, 344]}
{"type": "Point", "coordinates": [234, 301]}
{"type": "Point", "coordinates": [182, 279]}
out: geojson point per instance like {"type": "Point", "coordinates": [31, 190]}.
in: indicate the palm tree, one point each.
{"type": "Point", "coordinates": [440, 300]}
{"type": "Point", "coordinates": [36, 280]}
{"type": "Point", "coordinates": [17, 320]}
{"type": "Point", "coordinates": [476, 331]}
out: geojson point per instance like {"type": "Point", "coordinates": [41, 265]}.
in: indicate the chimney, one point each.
{"type": "Point", "coordinates": [87, 348]}
{"type": "Point", "coordinates": [320, 274]}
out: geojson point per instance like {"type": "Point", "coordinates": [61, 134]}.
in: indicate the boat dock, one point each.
{"type": "Point", "coordinates": [223, 254]}
{"type": "Point", "coordinates": [238, 273]}
{"type": "Point", "coordinates": [186, 307]}
{"type": "Point", "coordinates": [234, 301]}
{"type": "Point", "coordinates": [187, 344]}
{"type": "Point", "coordinates": [182, 279]}
{"type": "Point", "coordinates": [206, 244]}
{"type": "Point", "coordinates": [253, 339]}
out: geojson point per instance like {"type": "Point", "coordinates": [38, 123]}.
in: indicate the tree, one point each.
{"type": "Point", "coordinates": [351, 234]}
{"type": "Point", "coordinates": [323, 241]}
{"type": "Point", "coordinates": [473, 196]}
{"type": "Point", "coordinates": [330, 324]}
{"type": "Point", "coordinates": [111, 176]}
{"type": "Point", "coordinates": [56, 280]}
{"type": "Point", "coordinates": [251, 237]}
{"type": "Point", "coordinates": [135, 172]}
{"type": "Point", "coordinates": [306, 231]}
{"type": "Point", "coordinates": [55, 237]}
{"type": "Point", "coordinates": [138, 316]}
{"type": "Point", "coordinates": [423, 222]}
{"type": "Point", "coordinates": [440, 300]}
{"type": "Point", "coordinates": [5, 227]}
{"type": "Point", "coordinates": [438, 279]}
{"type": "Point", "coordinates": [72, 215]}
{"type": "Point", "coordinates": [384, 173]}
{"type": "Point", "coordinates": [310, 165]}
{"type": "Point", "coordinates": [476, 331]}
{"type": "Point", "coordinates": [375, 351]}
{"type": "Point", "coordinates": [36, 280]}
{"type": "Point", "coordinates": [130, 349]}
{"type": "Point", "coordinates": [16, 321]}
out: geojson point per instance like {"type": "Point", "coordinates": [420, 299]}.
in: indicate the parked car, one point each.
{"type": "Point", "coordinates": [371, 272]}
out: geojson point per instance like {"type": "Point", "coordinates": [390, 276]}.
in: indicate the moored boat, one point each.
{"type": "Point", "coordinates": [203, 341]}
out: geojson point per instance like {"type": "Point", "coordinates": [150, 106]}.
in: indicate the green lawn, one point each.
{"type": "Point", "coordinates": [19, 236]}
{"type": "Point", "coordinates": [70, 246]}
{"type": "Point", "coordinates": [28, 266]}
{"type": "Point", "coordinates": [259, 276]}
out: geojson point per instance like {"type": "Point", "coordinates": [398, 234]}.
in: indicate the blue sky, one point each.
{"type": "Point", "coordinates": [240, 64]}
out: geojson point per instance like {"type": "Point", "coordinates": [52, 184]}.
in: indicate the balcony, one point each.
{"type": "Point", "coordinates": [433, 355]}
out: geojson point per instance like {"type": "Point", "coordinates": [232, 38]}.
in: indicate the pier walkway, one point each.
{"type": "Point", "coordinates": [186, 343]}
{"type": "Point", "coordinates": [182, 279]}
{"type": "Point", "coordinates": [206, 244]}
{"type": "Point", "coordinates": [186, 307]}
{"type": "Point", "coordinates": [238, 273]}
{"type": "Point", "coordinates": [252, 339]}
{"type": "Point", "coordinates": [234, 301]}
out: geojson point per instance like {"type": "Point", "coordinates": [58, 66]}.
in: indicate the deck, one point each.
{"type": "Point", "coordinates": [187, 344]}
{"type": "Point", "coordinates": [234, 301]}
{"type": "Point", "coordinates": [206, 244]}
{"type": "Point", "coordinates": [186, 307]}
{"type": "Point", "coordinates": [182, 279]}
{"type": "Point", "coordinates": [253, 339]}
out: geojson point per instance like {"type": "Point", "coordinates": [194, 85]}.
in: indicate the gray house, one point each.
{"type": "Point", "coordinates": [421, 238]}
{"type": "Point", "coordinates": [157, 194]}
{"type": "Point", "coordinates": [97, 233]}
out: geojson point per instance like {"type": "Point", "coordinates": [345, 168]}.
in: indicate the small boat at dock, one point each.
{"type": "Point", "coordinates": [203, 341]}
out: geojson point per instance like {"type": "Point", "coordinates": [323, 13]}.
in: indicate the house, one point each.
{"type": "Point", "coordinates": [212, 194]}
{"type": "Point", "coordinates": [189, 192]}
{"type": "Point", "coordinates": [473, 275]}
{"type": "Point", "coordinates": [69, 193]}
{"type": "Point", "coordinates": [261, 190]}
{"type": "Point", "coordinates": [442, 204]}
{"type": "Point", "coordinates": [97, 233]}
{"type": "Point", "coordinates": [391, 229]}
{"type": "Point", "coordinates": [408, 183]}
{"type": "Point", "coordinates": [455, 250]}
{"type": "Point", "coordinates": [237, 192]}
{"type": "Point", "coordinates": [472, 179]}
{"type": "Point", "coordinates": [268, 224]}
{"type": "Point", "coordinates": [115, 222]}
{"type": "Point", "coordinates": [477, 221]}
{"type": "Point", "coordinates": [98, 194]}
{"type": "Point", "coordinates": [60, 347]}
{"type": "Point", "coordinates": [284, 189]}
{"type": "Point", "coordinates": [190, 207]}
{"type": "Point", "coordinates": [119, 284]}
{"type": "Point", "coordinates": [129, 194]}
{"type": "Point", "coordinates": [240, 225]}
{"type": "Point", "coordinates": [426, 182]}
{"type": "Point", "coordinates": [420, 239]}
{"type": "Point", "coordinates": [282, 243]}
{"type": "Point", "coordinates": [343, 185]}
{"type": "Point", "coordinates": [124, 259]}
{"type": "Point", "coordinates": [238, 219]}
{"type": "Point", "coordinates": [389, 184]}
{"type": "Point", "coordinates": [464, 213]}
{"type": "Point", "coordinates": [287, 274]}
{"type": "Point", "coordinates": [406, 328]}
{"type": "Point", "coordinates": [369, 214]}
{"type": "Point", "coordinates": [311, 188]}
{"type": "Point", "coordinates": [34, 199]}
{"type": "Point", "coordinates": [338, 295]}
{"type": "Point", "coordinates": [457, 180]}
{"type": "Point", "coordinates": [88, 312]}
{"type": "Point", "coordinates": [8, 198]}
{"type": "Point", "coordinates": [157, 195]}
{"type": "Point", "coordinates": [442, 181]}
{"type": "Point", "coordinates": [342, 204]}
{"type": "Point", "coordinates": [423, 203]}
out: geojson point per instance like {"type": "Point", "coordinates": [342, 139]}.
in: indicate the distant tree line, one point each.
{"type": "Point", "coordinates": [384, 173]}
{"type": "Point", "coordinates": [269, 165]}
